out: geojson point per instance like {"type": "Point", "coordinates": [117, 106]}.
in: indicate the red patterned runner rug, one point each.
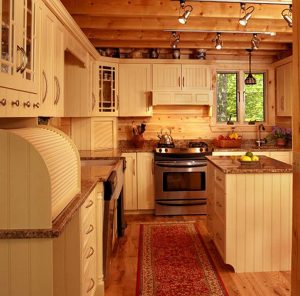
{"type": "Point", "coordinates": [173, 261]}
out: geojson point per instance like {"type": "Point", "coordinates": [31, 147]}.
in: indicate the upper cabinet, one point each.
{"type": "Point", "coordinates": [18, 60]}
{"type": "Point", "coordinates": [135, 90]}
{"type": "Point", "coordinates": [284, 90]}
{"type": "Point", "coordinates": [107, 98]}
{"type": "Point", "coordinates": [176, 77]}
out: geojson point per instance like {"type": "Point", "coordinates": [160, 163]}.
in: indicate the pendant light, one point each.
{"type": "Point", "coordinates": [250, 80]}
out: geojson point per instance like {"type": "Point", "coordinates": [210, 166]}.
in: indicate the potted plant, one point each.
{"type": "Point", "coordinates": [281, 135]}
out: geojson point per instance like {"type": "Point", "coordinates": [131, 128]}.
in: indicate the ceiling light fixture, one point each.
{"type": "Point", "coordinates": [175, 38]}
{"type": "Point", "coordinates": [187, 11]}
{"type": "Point", "coordinates": [248, 13]}
{"type": "Point", "coordinates": [218, 41]}
{"type": "Point", "coordinates": [250, 80]}
{"type": "Point", "coordinates": [288, 15]}
{"type": "Point", "coordinates": [255, 42]}
{"type": "Point", "coordinates": [220, 31]}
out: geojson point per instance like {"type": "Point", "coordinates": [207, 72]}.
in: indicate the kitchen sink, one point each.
{"type": "Point", "coordinates": [99, 162]}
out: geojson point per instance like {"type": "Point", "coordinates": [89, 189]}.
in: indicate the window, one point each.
{"type": "Point", "coordinates": [238, 102]}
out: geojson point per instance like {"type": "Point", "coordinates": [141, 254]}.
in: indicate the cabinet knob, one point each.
{"type": "Point", "coordinates": [3, 102]}
{"type": "Point", "coordinates": [26, 104]}
{"type": "Point", "coordinates": [16, 102]}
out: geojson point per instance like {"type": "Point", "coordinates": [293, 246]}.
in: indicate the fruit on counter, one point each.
{"type": "Point", "coordinates": [249, 157]}
{"type": "Point", "coordinates": [233, 136]}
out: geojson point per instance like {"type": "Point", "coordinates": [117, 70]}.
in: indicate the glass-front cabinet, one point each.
{"type": "Point", "coordinates": [108, 104]}
{"type": "Point", "coordinates": [18, 45]}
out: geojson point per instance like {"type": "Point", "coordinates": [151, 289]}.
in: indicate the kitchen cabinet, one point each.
{"type": "Point", "coordinates": [52, 65]}
{"type": "Point", "coordinates": [94, 133]}
{"type": "Point", "coordinates": [134, 90]}
{"type": "Point", "coordinates": [19, 45]}
{"type": "Point", "coordinates": [77, 253]}
{"type": "Point", "coordinates": [176, 77]}
{"type": "Point", "coordinates": [107, 99]}
{"type": "Point", "coordinates": [284, 156]}
{"type": "Point", "coordinates": [284, 88]}
{"type": "Point", "coordinates": [241, 212]}
{"type": "Point", "coordinates": [139, 181]}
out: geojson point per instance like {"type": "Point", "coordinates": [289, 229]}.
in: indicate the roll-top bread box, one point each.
{"type": "Point", "coordinates": [39, 176]}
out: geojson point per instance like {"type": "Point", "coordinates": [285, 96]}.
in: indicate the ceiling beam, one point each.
{"type": "Point", "coordinates": [195, 23]}
{"type": "Point", "coordinates": [186, 36]}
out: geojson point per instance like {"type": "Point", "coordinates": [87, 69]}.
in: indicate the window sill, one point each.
{"type": "Point", "coordinates": [238, 127]}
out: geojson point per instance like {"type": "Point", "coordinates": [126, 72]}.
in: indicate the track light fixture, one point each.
{"type": "Point", "coordinates": [186, 13]}
{"type": "Point", "coordinates": [250, 79]}
{"type": "Point", "coordinates": [288, 16]}
{"type": "Point", "coordinates": [218, 41]}
{"type": "Point", "coordinates": [255, 42]}
{"type": "Point", "coordinates": [247, 14]}
{"type": "Point", "coordinates": [175, 38]}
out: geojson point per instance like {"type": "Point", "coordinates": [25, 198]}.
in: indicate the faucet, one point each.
{"type": "Point", "coordinates": [260, 141]}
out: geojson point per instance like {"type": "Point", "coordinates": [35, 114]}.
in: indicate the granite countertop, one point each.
{"type": "Point", "coordinates": [90, 175]}
{"type": "Point", "coordinates": [231, 165]}
{"type": "Point", "coordinates": [254, 148]}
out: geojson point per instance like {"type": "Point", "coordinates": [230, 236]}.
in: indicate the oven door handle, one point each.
{"type": "Point", "coordinates": [170, 203]}
{"type": "Point", "coordinates": [178, 165]}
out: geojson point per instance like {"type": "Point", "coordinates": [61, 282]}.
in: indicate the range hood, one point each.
{"type": "Point", "coordinates": [39, 176]}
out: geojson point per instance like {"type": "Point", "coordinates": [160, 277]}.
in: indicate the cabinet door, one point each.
{"type": "Point", "coordinates": [167, 77]}
{"type": "Point", "coordinates": [284, 90]}
{"type": "Point", "coordinates": [145, 181]}
{"type": "Point", "coordinates": [19, 45]}
{"type": "Point", "coordinates": [59, 52]}
{"type": "Point", "coordinates": [47, 62]}
{"type": "Point", "coordinates": [134, 83]}
{"type": "Point", "coordinates": [195, 77]}
{"type": "Point", "coordinates": [130, 188]}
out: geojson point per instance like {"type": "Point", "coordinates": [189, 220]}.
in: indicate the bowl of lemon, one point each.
{"type": "Point", "coordinates": [249, 159]}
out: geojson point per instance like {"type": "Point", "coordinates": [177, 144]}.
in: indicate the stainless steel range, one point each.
{"type": "Point", "coordinates": [180, 179]}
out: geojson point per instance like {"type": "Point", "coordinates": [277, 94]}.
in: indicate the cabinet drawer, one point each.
{"type": "Point", "coordinates": [89, 285]}
{"type": "Point", "coordinates": [219, 235]}
{"type": "Point", "coordinates": [88, 246]}
{"type": "Point", "coordinates": [87, 210]}
{"type": "Point", "coordinates": [220, 178]}
{"type": "Point", "coordinates": [220, 202]}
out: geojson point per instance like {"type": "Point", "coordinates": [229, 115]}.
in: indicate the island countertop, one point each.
{"type": "Point", "coordinates": [231, 165]}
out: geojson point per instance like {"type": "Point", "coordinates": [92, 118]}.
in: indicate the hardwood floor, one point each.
{"type": "Point", "coordinates": [124, 264]}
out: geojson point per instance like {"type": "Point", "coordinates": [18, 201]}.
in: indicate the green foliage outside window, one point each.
{"type": "Point", "coordinates": [254, 99]}
{"type": "Point", "coordinates": [227, 98]}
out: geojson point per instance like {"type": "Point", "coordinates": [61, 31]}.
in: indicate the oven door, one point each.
{"type": "Point", "coordinates": [182, 179]}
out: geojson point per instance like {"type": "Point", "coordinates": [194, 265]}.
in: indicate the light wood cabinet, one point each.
{"type": "Point", "coordinates": [175, 77]}
{"type": "Point", "coordinates": [284, 93]}
{"type": "Point", "coordinates": [19, 45]}
{"type": "Point", "coordinates": [94, 133]}
{"type": "Point", "coordinates": [242, 211]}
{"type": "Point", "coordinates": [52, 65]}
{"type": "Point", "coordinates": [139, 181]}
{"type": "Point", "coordinates": [134, 90]}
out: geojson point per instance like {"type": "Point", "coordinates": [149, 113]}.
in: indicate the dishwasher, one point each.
{"type": "Point", "coordinates": [114, 220]}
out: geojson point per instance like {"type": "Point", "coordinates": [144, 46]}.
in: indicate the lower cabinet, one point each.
{"type": "Point", "coordinates": [139, 181]}
{"type": "Point", "coordinates": [284, 156]}
{"type": "Point", "coordinates": [77, 255]}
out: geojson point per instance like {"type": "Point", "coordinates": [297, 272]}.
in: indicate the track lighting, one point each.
{"type": "Point", "coordinates": [250, 80]}
{"type": "Point", "coordinates": [218, 41]}
{"type": "Point", "coordinates": [175, 39]}
{"type": "Point", "coordinates": [288, 16]}
{"type": "Point", "coordinates": [187, 11]}
{"type": "Point", "coordinates": [255, 42]}
{"type": "Point", "coordinates": [248, 13]}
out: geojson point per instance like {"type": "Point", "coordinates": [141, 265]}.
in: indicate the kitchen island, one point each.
{"type": "Point", "coordinates": [249, 212]}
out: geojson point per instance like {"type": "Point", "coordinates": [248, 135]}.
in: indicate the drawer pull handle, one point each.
{"type": "Point", "coordinates": [3, 102]}
{"type": "Point", "coordinates": [16, 102]}
{"type": "Point", "coordinates": [91, 252]}
{"type": "Point", "coordinates": [219, 204]}
{"type": "Point", "coordinates": [219, 179]}
{"type": "Point", "coordinates": [26, 104]}
{"type": "Point", "coordinates": [36, 105]}
{"type": "Point", "coordinates": [91, 286]}
{"type": "Point", "coordinates": [89, 204]}
{"type": "Point", "coordinates": [91, 228]}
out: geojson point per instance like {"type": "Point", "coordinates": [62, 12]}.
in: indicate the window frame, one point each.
{"type": "Point", "coordinates": [241, 102]}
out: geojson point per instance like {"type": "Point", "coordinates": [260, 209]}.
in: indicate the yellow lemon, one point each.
{"type": "Point", "coordinates": [245, 158]}
{"type": "Point", "coordinates": [255, 158]}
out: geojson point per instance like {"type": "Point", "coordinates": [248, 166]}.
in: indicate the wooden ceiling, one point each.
{"type": "Point", "coordinates": [131, 24]}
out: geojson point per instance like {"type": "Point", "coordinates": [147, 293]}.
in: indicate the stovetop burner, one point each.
{"type": "Point", "coordinates": [160, 145]}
